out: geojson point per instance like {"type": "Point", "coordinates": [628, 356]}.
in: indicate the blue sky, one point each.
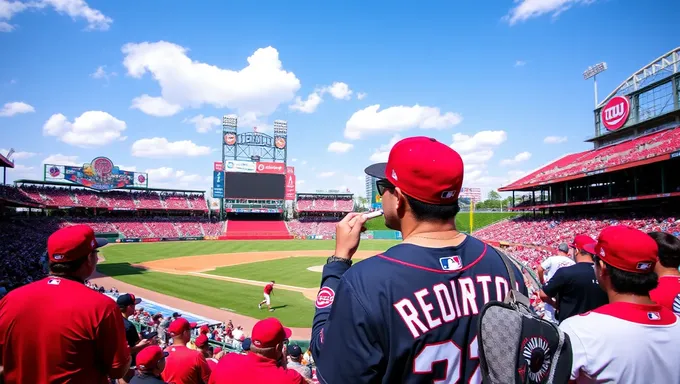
{"type": "Point", "coordinates": [146, 84]}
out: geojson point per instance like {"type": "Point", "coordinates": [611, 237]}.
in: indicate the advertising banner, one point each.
{"type": "Point", "coordinates": [100, 174]}
{"type": "Point", "coordinates": [290, 186]}
{"type": "Point", "coordinates": [239, 166]}
{"type": "Point", "coordinates": [474, 194]}
{"type": "Point", "coordinates": [218, 185]}
{"type": "Point", "coordinates": [270, 167]}
{"type": "Point", "coordinates": [218, 166]}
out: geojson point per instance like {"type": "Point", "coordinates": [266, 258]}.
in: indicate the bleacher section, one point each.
{"type": "Point", "coordinates": [641, 148]}
{"type": "Point", "coordinates": [256, 230]}
{"type": "Point", "coordinates": [325, 205]}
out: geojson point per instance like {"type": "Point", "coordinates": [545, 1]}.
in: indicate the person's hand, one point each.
{"type": "Point", "coordinates": [347, 235]}
{"type": "Point", "coordinates": [143, 343]}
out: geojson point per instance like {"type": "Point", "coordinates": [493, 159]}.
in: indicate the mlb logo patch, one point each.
{"type": "Point", "coordinates": [644, 266]}
{"type": "Point", "coordinates": [448, 194]}
{"type": "Point", "coordinates": [58, 257]}
{"type": "Point", "coordinates": [53, 281]}
{"type": "Point", "coordinates": [653, 316]}
{"type": "Point", "coordinates": [451, 263]}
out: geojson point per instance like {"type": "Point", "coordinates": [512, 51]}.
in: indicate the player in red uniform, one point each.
{"type": "Point", "coordinates": [667, 293]}
{"type": "Point", "coordinates": [267, 300]}
{"type": "Point", "coordinates": [57, 330]}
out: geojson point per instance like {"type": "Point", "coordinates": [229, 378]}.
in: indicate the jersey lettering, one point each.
{"type": "Point", "coordinates": [449, 353]}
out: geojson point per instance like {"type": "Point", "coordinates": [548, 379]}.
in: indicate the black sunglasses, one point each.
{"type": "Point", "coordinates": [382, 185]}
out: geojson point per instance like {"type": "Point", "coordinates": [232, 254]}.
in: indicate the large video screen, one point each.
{"type": "Point", "coordinates": [254, 185]}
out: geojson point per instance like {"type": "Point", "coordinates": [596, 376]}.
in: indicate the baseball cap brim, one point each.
{"type": "Point", "coordinates": [376, 170]}
{"type": "Point", "coordinates": [137, 300]}
{"type": "Point", "coordinates": [150, 335]}
{"type": "Point", "coordinates": [288, 332]}
{"type": "Point", "coordinates": [100, 242]}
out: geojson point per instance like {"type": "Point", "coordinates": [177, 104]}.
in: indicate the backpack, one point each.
{"type": "Point", "coordinates": [516, 345]}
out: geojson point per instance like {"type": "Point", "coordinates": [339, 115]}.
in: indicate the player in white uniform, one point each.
{"type": "Point", "coordinates": [546, 270]}
{"type": "Point", "coordinates": [632, 339]}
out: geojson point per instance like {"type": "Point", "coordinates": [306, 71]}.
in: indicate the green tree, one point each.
{"type": "Point", "coordinates": [493, 195]}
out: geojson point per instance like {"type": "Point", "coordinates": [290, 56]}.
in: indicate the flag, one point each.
{"type": "Point", "coordinates": [255, 129]}
{"type": "Point", "coordinates": [10, 153]}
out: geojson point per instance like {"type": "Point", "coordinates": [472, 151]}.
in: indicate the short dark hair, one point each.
{"type": "Point", "coordinates": [66, 268]}
{"type": "Point", "coordinates": [669, 249]}
{"type": "Point", "coordinates": [432, 212]}
{"type": "Point", "coordinates": [632, 283]}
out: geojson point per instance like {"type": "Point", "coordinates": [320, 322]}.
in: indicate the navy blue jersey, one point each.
{"type": "Point", "coordinates": [408, 315]}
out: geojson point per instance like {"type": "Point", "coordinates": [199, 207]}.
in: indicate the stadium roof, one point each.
{"type": "Point", "coordinates": [651, 148]}
{"type": "Point", "coordinates": [64, 184]}
{"type": "Point", "coordinates": [5, 162]}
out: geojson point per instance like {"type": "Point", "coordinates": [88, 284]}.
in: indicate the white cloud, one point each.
{"type": "Point", "coordinates": [299, 182]}
{"type": "Point", "coordinates": [166, 177]}
{"type": "Point", "coordinates": [91, 129]}
{"type": "Point", "coordinates": [527, 9]}
{"type": "Point", "coordinates": [555, 139]}
{"type": "Point", "coordinates": [21, 171]}
{"type": "Point", "coordinates": [18, 155]}
{"type": "Point", "coordinates": [160, 147]}
{"type": "Point", "coordinates": [294, 160]}
{"type": "Point", "coordinates": [309, 105]}
{"type": "Point", "coordinates": [476, 151]}
{"type": "Point", "coordinates": [131, 168]}
{"type": "Point", "coordinates": [326, 174]}
{"type": "Point", "coordinates": [520, 63]}
{"type": "Point", "coordinates": [155, 106]}
{"type": "Point", "coordinates": [381, 154]}
{"type": "Point", "coordinates": [15, 108]}
{"type": "Point", "coordinates": [339, 90]}
{"type": "Point", "coordinates": [398, 118]}
{"type": "Point", "coordinates": [339, 147]}
{"type": "Point", "coordinates": [76, 9]}
{"type": "Point", "coordinates": [519, 158]}
{"type": "Point", "coordinates": [6, 27]}
{"type": "Point", "coordinates": [258, 89]}
{"type": "Point", "coordinates": [204, 124]}
{"type": "Point", "coordinates": [60, 159]}
{"type": "Point", "coordinates": [304, 162]}
{"type": "Point", "coordinates": [101, 73]}
{"type": "Point", "coordinates": [361, 95]}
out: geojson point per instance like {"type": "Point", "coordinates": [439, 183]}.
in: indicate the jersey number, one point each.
{"type": "Point", "coordinates": [449, 352]}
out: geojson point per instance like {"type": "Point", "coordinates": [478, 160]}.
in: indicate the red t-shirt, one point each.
{"type": "Point", "coordinates": [212, 363]}
{"type": "Point", "coordinates": [58, 330]}
{"type": "Point", "coordinates": [667, 293]}
{"type": "Point", "coordinates": [185, 366]}
{"type": "Point", "coordinates": [268, 288]}
{"type": "Point", "coordinates": [252, 369]}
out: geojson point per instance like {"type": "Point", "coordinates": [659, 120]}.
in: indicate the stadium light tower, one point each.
{"type": "Point", "coordinates": [593, 71]}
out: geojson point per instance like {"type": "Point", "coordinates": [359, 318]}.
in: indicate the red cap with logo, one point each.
{"type": "Point", "coordinates": [180, 325]}
{"type": "Point", "coordinates": [269, 332]}
{"type": "Point", "coordinates": [580, 242]}
{"type": "Point", "coordinates": [148, 358]}
{"type": "Point", "coordinates": [424, 169]}
{"type": "Point", "coordinates": [72, 243]}
{"type": "Point", "coordinates": [626, 248]}
{"type": "Point", "coordinates": [201, 340]}
{"type": "Point", "coordinates": [205, 329]}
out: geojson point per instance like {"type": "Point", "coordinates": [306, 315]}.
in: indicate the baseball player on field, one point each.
{"type": "Point", "coordinates": [268, 289]}
{"type": "Point", "coordinates": [408, 315]}
{"type": "Point", "coordinates": [632, 339]}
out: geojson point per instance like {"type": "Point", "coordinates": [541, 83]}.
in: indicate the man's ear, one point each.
{"type": "Point", "coordinates": [402, 203]}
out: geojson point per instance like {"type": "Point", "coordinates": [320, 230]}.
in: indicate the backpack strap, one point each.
{"type": "Point", "coordinates": [514, 296]}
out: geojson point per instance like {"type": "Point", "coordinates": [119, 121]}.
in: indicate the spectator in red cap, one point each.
{"type": "Point", "coordinates": [150, 365]}
{"type": "Point", "coordinates": [265, 363]}
{"type": "Point", "coordinates": [184, 365]}
{"type": "Point", "coordinates": [668, 291]}
{"type": "Point", "coordinates": [204, 347]}
{"type": "Point", "coordinates": [632, 339]}
{"type": "Point", "coordinates": [74, 334]}
{"type": "Point", "coordinates": [575, 286]}
{"type": "Point", "coordinates": [398, 317]}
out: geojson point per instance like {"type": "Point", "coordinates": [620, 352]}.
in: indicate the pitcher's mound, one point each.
{"type": "Point", "coordinates": [316, 268]}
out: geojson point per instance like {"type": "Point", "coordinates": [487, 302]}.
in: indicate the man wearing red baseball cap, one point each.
{"type": "Point", "coordinates": [574, 286]}
{"type": "Point", "coordinates": [632, 339]}
{"type": "Point", "coordinates": [408, 314]}
{"type": "Point", "coordinates": [150, 365]}
{"type": "Point", "coordinates": [184, 365]}
{"type": "Point", "coordinates": [203, 346]}
{"type": "Point", "coordinates": [58, 330]}
{"type": "Point", "coordinates": [265, 363]}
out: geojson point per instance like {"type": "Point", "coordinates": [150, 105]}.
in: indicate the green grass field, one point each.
{"type": "Point", "coordinates": [294, 309]}
{"type": "Point", "coordinates": [480, 220]}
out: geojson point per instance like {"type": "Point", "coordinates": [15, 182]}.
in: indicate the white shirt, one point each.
{"type": "Point", "coordinates": [553, 263]}
{"type": "Point", "coordinates": [625, 343]}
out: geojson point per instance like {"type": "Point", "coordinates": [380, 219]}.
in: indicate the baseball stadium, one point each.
{"type": "Point", "coordinates": [208, 254]}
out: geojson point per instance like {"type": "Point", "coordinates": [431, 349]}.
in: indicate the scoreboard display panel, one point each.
{"type": "Point", "coordinates": [254, 185]}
